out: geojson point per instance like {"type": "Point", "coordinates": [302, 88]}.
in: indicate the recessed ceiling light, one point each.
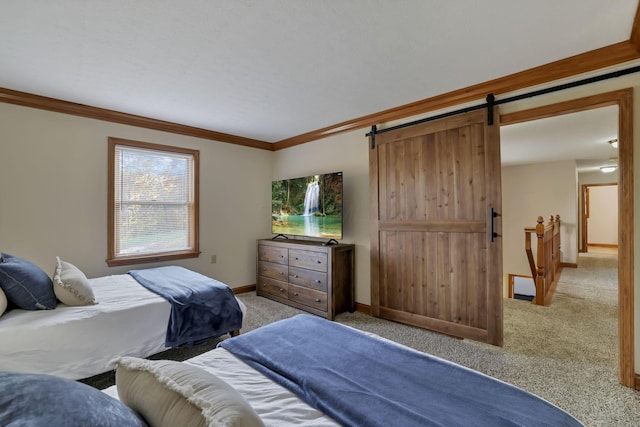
{"type": "Point", "coordinates": [613, 143]}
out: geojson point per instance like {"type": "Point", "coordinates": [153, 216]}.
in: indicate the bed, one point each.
{"type": "Point", "coordinates": [307, 371]}
{"type": "Point", "coordinates": [77, 342]}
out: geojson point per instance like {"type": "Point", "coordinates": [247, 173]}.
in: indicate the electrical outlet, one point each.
{"type": "Point", "coordinates": [214, 259]}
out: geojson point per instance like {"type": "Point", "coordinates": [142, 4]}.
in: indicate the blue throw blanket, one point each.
{"type": "Point", "coordinates": [362, 381]}
{"type": "Point", "coordinates": [201, 307]}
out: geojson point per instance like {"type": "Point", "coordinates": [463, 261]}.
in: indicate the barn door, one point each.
{"type": "Point", "coordinates": [435, 262]}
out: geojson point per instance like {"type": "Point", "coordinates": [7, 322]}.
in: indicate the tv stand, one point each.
{"type": "Point", "coordinates": [330, 242]}
{"type": "Point", "coordinates": [279, 235]}
{"type": "Point", "coordinates": [311, 276]}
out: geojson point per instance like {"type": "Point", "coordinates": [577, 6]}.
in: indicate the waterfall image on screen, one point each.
{"type": "Point", "coordinates": [308, 206]}
{"type": "Point", "coordinates": [311, 198]}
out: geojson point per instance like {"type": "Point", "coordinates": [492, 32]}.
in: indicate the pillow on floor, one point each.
{"type": "Point", "coordinates": [25, 284]}
{"type": "Point", "coordinates": [169, 393]}
{"type": "Point", "coordinates": [39, 400]}
{"type": "Point", "coordinates": [3, 302]}
{"type": "Point", "coordinates": [71, 286]}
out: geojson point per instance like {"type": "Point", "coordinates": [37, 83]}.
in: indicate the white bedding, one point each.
{"type": "Point", "coordinates": [78, 342]}
{"type": "Point", "coordinates": [276, 405]}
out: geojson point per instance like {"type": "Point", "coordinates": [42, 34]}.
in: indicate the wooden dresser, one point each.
{"type": "Point", "coordinates": [307, 275]}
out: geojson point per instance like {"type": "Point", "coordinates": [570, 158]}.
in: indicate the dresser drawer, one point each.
{"type": "Point", "coordinates": [273, 254]}
{"type": "Point", "coordinates": [308, 259]}
{"type": "Point", "coordinates": [308, 278]}
{"type": "Point", "coordinates": [273, 270]}
{"type": "Point", "coordinates": [308, 275]}
{"type": "Point", "coordinates": [310, 297]}
{"type": "Point", "coordinates": [273, 287]}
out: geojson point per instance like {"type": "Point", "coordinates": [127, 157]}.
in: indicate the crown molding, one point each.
{"type": "Point", "coordinates": [635, 31]}
{"type": "Point", "coordinates": [590, 61]}
{"type": "Point", "coordinates": [59, 106]}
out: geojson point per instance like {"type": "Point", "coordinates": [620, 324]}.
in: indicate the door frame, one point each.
{"type": "Point", "coordinates": [623, 98]}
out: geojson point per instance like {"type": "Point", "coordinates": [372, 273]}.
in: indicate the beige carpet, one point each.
{"type": "Point", "coordinates": [565, 353]}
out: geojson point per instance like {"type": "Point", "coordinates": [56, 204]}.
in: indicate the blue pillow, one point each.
{"type": "Point", "coordinates": [39, 400]}
{"type": "Point", "coordinates": [25, 284]}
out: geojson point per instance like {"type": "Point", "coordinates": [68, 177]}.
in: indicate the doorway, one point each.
{"type": "Point", "coordinates": [623, 99]}
{"type": "Point", "coordinates": [599, 217]}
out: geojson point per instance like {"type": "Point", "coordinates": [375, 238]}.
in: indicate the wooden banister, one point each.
{"type": "Point", "coordinates": [545, 269]}
{"type": "Point", "coordinates": [527, 247]}
{"type": "Point", "coordinates": [540, 270]}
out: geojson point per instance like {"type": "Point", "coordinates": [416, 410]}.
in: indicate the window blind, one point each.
{"type": "Point", "coordinates": [153, 201]}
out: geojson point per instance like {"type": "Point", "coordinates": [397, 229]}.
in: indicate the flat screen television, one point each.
{"type": "Point", "coordinates": [309, 206]}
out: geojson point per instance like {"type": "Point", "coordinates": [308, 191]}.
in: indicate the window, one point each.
{"type": "Point", "coordinates": [153, 202]}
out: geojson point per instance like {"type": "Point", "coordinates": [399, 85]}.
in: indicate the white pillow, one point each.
{"type": "Point", "coordinates": [71, 286]}
{"type": "Point", "coordinates": [169, 393]}
{"type": "Point", "coordinates": [3, 302]}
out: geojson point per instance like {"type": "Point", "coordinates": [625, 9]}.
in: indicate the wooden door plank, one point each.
{"type": "Point", "coordinates": [464, 226]}
{"type": "Point", "coordinates": [494, 261]}
{"type": "Point", "coordinates": [375, 168]}
{"type": "Point", "coordinates": [453, 329]}
{"type": "Point", "coordinates": [431, 225]}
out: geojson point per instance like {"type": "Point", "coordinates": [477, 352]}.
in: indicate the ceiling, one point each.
{"type": "Point", "coordinates": [270, 70]}
{"type": "Point", "coordinates": [581, 136]}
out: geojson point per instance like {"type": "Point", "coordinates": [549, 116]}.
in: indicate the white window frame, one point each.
{"type": "Point", "coordinates": [114, 255]}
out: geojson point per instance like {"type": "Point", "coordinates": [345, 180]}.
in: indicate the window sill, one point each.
{"type": "Point", "coordinates": [143, 259]}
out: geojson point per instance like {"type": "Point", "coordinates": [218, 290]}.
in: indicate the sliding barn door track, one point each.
{"type": "Point", "coordinates": [491, 101]}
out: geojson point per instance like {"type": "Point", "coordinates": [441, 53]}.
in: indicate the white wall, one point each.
{"type": "Point", "coordinates": [597, 177]}
{"type": "Point", "coordinates": [53, 196]}
{"type": "Point", "coordinates": [602, 224]}
{"type": "Point", "coordinates": [348, 153]}
{"type": "Point", "coordinates": [530, 191]}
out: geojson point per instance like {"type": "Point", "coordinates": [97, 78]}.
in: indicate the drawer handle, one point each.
{"type": "Point", "coordinates": [317, 299]}
{"type": "Point", "coordinates": [319, 262]}
{"type": "Point", "coordinates": [295, 294]}
{"type": "Point", "coordinates": [296, 258]}
{"type": "Point", "coordinates": [282, 273]}
{"type": "Point", "coordinates": [281, 290]}
{"type": "Point", "coordinates": [295, 275]}
{"type": "Point", "coordinates": [318, 281]}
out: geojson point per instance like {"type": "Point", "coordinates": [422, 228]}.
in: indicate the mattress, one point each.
{"type": "Point", "coordinates": [79, 342]}
{"type": "Point", "coordinates": [275, 405]}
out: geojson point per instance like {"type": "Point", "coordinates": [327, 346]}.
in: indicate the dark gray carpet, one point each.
{"type": "Point", "coordinates": [107, 379]}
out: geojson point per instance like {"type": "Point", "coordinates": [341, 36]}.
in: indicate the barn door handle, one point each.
{"type": "Point", "coordinates": [492, 215]}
